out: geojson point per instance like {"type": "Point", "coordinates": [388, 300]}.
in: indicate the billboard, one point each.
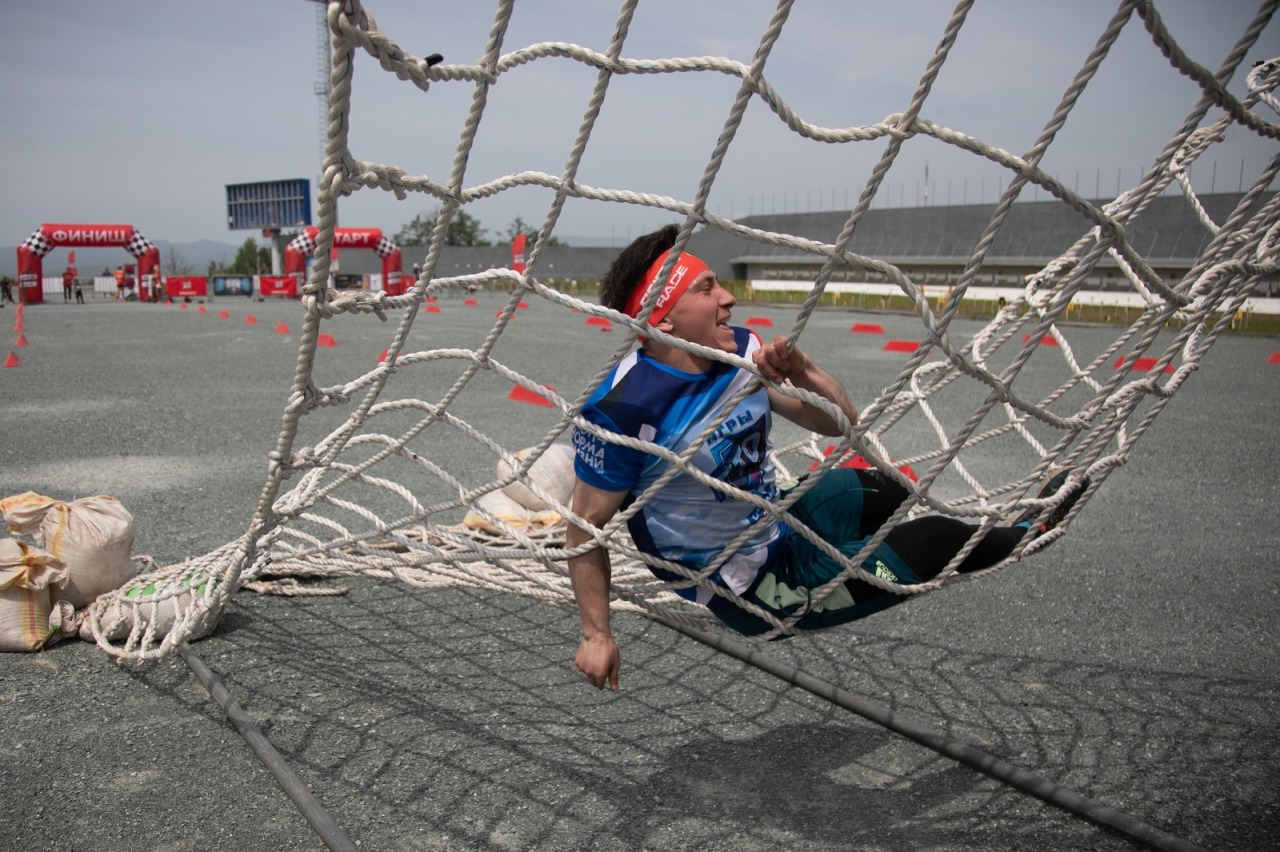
{"type": "Point", "coordinates": [269, 205]}
{"type": "Point", "coordinates": [233, 285]}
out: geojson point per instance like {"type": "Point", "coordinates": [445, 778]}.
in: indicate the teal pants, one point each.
{"type": "Point", "coordinates": [846, 508]}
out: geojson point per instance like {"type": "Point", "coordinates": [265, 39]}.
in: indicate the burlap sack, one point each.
{"type": "Point", "coordinates": [29, 619]}
{"type": "Point", "coordinates": [553, 472]}
{"type": "Point", "coordinates": [92, 537]}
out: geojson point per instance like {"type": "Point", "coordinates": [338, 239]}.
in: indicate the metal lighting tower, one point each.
{"type": "Point", "coordinates": [324, 59]}
{"type": "Point", "coordinates": [324, 63]}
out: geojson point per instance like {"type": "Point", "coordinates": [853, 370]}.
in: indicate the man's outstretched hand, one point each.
{"type": "Point", "coordinates": [599, 660]}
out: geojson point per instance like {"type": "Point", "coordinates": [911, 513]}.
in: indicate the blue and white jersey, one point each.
{"type": "Point", "coordinates": [686, 521]}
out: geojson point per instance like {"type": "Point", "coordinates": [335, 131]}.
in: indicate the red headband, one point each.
{"type": "Point", "coordinates": [686, 269]}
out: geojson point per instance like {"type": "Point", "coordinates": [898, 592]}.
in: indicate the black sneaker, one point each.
{"type": "Point", "coordinates": [1027, 519]}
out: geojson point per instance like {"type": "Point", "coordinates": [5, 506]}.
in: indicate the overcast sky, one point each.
{"type": "Point", "coordinates": [140, 112]}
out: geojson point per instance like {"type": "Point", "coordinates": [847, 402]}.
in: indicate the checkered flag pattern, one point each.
{"type": "Point", "coordinates": [37, 244]}
{"type": "Point", "coordinates": [138, 245]}
{"type": "Point", "coordinates": [385, 247]}
{"type": "Point", "coordinates": [303, 243]}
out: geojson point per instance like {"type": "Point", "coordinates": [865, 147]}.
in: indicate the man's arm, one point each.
{"type": "Point", "coordinates": [779, 364]}
{"type": "Point", "coordinates": [597, 656]}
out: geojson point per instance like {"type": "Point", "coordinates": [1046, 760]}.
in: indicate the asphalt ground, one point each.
{"type": "Point", "coordinates": [1134, 662]}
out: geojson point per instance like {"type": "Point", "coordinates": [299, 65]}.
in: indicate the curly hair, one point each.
{"type": "Point", "coordinates": [629, 267]}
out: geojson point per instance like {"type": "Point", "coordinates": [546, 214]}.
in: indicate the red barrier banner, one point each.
{"type": "Point", "coordinates": [185, 286]}
{"type": "Point", "coordinates": [278, 285]}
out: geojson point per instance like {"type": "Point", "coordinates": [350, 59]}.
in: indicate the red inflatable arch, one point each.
{"type": "Point", "coordinates": [295, 254]}
{"type": "Point", "coordinates": [50, 236]}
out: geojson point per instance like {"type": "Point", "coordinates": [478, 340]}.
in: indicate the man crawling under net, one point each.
{"type": "Point", "coordinates": [666, 395]}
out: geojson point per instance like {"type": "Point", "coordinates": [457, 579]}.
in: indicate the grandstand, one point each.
{"type": "Point", "coordinates": [931, 245]}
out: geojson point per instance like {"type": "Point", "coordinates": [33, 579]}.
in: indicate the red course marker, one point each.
{"type": "Point", "coordinates": [901, 346]}
{"type": "Point", "coordinates": [251, 319]}
{"type": "Point", "coordinates": [1143, 365]}
{"type": "Point", "coordinates": [858, 462]}
{"type": "Point", "coordinates": [12, 361]}
{"type": "Point", "coordinates": [761, 321]}
{"type": "Point", "coordinates": [1044, 341]}
{"type": "Point", "coordinates": [21, 341]}
{"type": "Point", "coordinates": [867, 328]}
{"type": "Point", "coordinates": [1274, 359]}
{"type": "Point", "coordinates": [521, 394]}
{"type": "Point", "coordinates": [281, 328]}
{"type": "Point", "coordinates": [326, 340]}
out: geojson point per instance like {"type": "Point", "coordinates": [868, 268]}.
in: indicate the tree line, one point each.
{"type": "Point", "coordinates": [464, 230]}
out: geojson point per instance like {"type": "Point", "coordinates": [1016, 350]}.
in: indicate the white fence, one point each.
{"type": "Point", "coordinates": [1107, 298]}
{"type": "Point", "coordinates": [52, 285]}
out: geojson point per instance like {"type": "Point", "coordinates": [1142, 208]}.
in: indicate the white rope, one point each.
{"type": "Point", "coordinates": [373, 498]}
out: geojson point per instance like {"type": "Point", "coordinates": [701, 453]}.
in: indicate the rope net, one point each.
{"type": "Point", "coordinates": [436, 488]}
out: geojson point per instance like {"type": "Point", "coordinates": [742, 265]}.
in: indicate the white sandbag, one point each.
{"type": "Point", "coordinates": [153, 603]}
{"type": "Point", "coordinates": [29, 620]}
{"type": "Point", "coordinates": [503, 507]}
{"type": "Point", "coordinates": [546, 518]}
{"type": "Point", "coordinates": [92, 537]}
{"type": "Point", "coordinates": [552, 472]}
{"type": "Point", "coordinates": [64, 621]}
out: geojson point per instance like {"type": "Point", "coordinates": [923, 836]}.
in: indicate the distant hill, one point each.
{"type": "Point", "coordinates": [192, 258]}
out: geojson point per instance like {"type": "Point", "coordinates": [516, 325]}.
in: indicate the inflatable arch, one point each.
{"type": "Point", "coordinates": [301, 246]}
{"type": "Point", "coordinates": [50, 236]}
